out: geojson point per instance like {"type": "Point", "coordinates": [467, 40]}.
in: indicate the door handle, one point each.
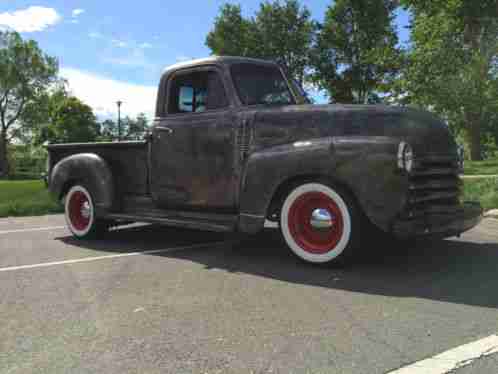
{"type": "Point", "coordinates": [165, 129]}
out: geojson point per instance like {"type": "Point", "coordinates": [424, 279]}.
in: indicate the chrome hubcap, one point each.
{"type": "Point", "coordinates": [85, 210]}
{"type": "Point", "coordinates": [321, 219]}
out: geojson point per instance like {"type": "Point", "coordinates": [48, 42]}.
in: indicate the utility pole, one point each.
{"type": "Point", "coordinates": [119, 102]}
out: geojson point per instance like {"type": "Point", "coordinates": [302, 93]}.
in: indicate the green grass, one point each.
{"type": "Point", "coordinates": [487, 167]}
{"type": "Point", "coordinates": [484, 190]}
{"type": "Point", "coordinates": [26, 198]}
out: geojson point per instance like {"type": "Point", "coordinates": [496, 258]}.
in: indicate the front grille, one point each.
{"type": "Point", "coordinates": [434, 187]}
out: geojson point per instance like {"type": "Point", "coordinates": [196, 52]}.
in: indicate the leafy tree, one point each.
{"type": "Point", "coordinates": [136, 129]}
{"type": "Point", "coordinates": [108, 131]}
{"type": "Point", "coordinates": [453, 64]}
{"type": "Point", "coordinates": [286, 33]}
{"type": "Point", "coordinates": [132, 129]}
{"type": "Point", "coordinates": [25, 74]}
{"type": "Point", "coordinates": [282, 31]}
{"type": "Point", "coordinates": [232, 35]}
{"type": "Point", "coordinates": [71, 121]}
{"type": "Point", "coordinates": [356, 54]}
{"type": "Point", "coordinates": [33, 125]}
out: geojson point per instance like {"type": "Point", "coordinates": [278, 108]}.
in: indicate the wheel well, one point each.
{"type": "Point", "coordinates": [273, 211]}
{"type": "Point", "coordinates": [67, 186]}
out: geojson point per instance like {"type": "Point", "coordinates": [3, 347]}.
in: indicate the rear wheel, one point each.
{"type": "Point", "coordinates": [80, 214]}
{"type": "Point", "coordinates": [318, 222]}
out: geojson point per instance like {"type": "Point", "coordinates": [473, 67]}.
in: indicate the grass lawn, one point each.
{"type": "Point", "coordinates": [483, 190]}
{"type": "Point", "coordinates": [487, 167]}
{"type": "Point", "coordinates": [26, 198]}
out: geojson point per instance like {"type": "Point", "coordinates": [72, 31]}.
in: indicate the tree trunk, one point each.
{"type": "Point", "coordinates": [4, 162]}
{"type": "Point", "coordinates": [474, 135]}
{"type": "Point", "coordinates": [473, 115]}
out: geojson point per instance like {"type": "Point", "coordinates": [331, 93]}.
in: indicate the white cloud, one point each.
{"type": "Point", "coordinates": [95, 35]}
{"type": "Point", "coordinates": [133, 59]}
{"type": "Point", "coordinates": [145, 45]}
{"type": "Point", "coordinates": [77, 12]}
{"type": "Point", "coordinates": [101, 94]}
{"type": "Point", "coordinates": [34, 18]}
{"type": "Point", "coordinates": [119, 43]}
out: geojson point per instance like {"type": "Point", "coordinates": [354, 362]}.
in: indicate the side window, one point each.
{"type": "Point", "coordinates": [186, 99]}
{"type": "Point", "coordinates": [196, 93]}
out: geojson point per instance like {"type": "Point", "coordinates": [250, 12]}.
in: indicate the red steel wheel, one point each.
{"type": "Point", "coordinates": [312, 238]}
{"type": "Point", "coordinates": [316, 222]}
{"type": "Point", "coordinates": [80, 213]}
{"type": "Point", "coordinates": [79, 210]}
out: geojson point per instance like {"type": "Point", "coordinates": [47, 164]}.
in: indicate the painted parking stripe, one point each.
{"type": "Point", "coordinates": [108, 257]}
{"type": "Point", "coordinates": [453, 359]}
{"type": "Point", "coordinates": [32, 229]}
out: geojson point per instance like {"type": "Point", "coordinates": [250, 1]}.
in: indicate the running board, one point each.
{"type": "Point", "coordinates": [183, 222]}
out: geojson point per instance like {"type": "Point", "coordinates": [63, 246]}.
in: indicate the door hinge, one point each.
{"type": "Point", "coordinates": [244, 139]}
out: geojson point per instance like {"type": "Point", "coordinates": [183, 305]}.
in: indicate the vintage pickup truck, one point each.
{"type": "Point", "coordinates": [235, 144]}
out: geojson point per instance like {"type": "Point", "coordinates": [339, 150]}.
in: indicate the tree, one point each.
{"type": "Point", "coordinates": [71, 121]}
{"type": "Point", "coordinates": [282, 31]}
{"type": "Point", "coordinates": [108, 131]}
{"type": "Point", "coordinates": [136, 129]}
{"type": "Point", "coordinates": [286, 33]}
{"type": "Point", "coordinates": [25, 74]}
{"type": "Point", "coordinates": [453, 63]}
{"type": "Point", "coordinates": [356, 54]}
{"type": "Point", "coordinates": [33, 125]}
{"type": "Point", "coordinates": [132, 129]}
{"type": "Point", "coordinates": [232, 35]}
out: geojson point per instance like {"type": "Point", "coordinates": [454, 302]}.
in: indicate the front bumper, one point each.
{"type": "Point", "coordinates": [440, 222]}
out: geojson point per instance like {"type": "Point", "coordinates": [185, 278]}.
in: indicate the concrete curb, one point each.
{"type": "Point", "coordinates": [478, 176]}
{"type": "Point", "coordinates": [491, 214]}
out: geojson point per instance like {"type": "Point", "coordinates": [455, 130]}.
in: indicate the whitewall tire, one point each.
{"type": "Point", "coordinates": [80, 213]}
{"type": "Point", "coordinates": [317, 222]}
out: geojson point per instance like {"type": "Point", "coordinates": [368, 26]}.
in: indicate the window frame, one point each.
{"type": "Point", "coordinates": [187, 71]}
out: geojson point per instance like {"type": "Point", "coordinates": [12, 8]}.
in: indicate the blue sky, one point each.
{"type": "Point", "coordinates": [110, 50]}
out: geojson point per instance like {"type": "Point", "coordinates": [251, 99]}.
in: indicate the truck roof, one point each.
{"type": "Point", "coordinates": [222, 60]}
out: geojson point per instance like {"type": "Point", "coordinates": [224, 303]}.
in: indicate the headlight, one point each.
{"type": "Point", "coordinates": [405, 157]}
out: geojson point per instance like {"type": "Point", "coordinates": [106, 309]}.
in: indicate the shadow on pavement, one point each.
{"type": "Point", "coordinates": [453, 271]}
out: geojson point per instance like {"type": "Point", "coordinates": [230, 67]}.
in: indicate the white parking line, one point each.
{"type": "Point", "coordinates": [453, 359]}
{"type": "Point", "coordinates": [108, 257]}
{"type": "Point", "coordinates": [32, 229]}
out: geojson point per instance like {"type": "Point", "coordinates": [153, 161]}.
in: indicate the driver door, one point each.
{"type": "Point", "coordinates": [193, 158]}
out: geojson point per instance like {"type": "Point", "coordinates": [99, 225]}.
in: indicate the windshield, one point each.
{"type": "Point", "coordinates": [261, 84]}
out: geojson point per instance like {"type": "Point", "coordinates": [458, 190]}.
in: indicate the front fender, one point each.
{"type": "Point", "coordinates": [87, 168]}
{"type": "Point", "coordinates": [365, 165]}
{"type": "Point", "coordinates": [268, 168]}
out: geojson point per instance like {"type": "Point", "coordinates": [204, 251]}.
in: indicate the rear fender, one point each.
{"type": "Point", "coordinates": [87, 168]}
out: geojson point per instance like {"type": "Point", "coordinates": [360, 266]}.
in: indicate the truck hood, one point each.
{"type": "Point", "coordinates": [282, 125]}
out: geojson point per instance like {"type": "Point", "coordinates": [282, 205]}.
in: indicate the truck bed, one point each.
{"type": "Point", "coordinates": [128, 162]}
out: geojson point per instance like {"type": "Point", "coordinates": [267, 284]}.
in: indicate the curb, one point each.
{"type": "Point", "coordinates": [463, 176]}
{"type": "Point", "coordinates": [491, 214]}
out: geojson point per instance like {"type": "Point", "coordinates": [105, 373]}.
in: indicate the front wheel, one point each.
{"type": "Point", "coordinates": [318, 223]}
{"type": "Point", "coordinates": [80, 214]}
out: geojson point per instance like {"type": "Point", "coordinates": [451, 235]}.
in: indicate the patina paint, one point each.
{"type": "Point", "coordinates": [228, 166]}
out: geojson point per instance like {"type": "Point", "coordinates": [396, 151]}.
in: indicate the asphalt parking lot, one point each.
{"type": "Point", "coordinates": [150, 299]}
